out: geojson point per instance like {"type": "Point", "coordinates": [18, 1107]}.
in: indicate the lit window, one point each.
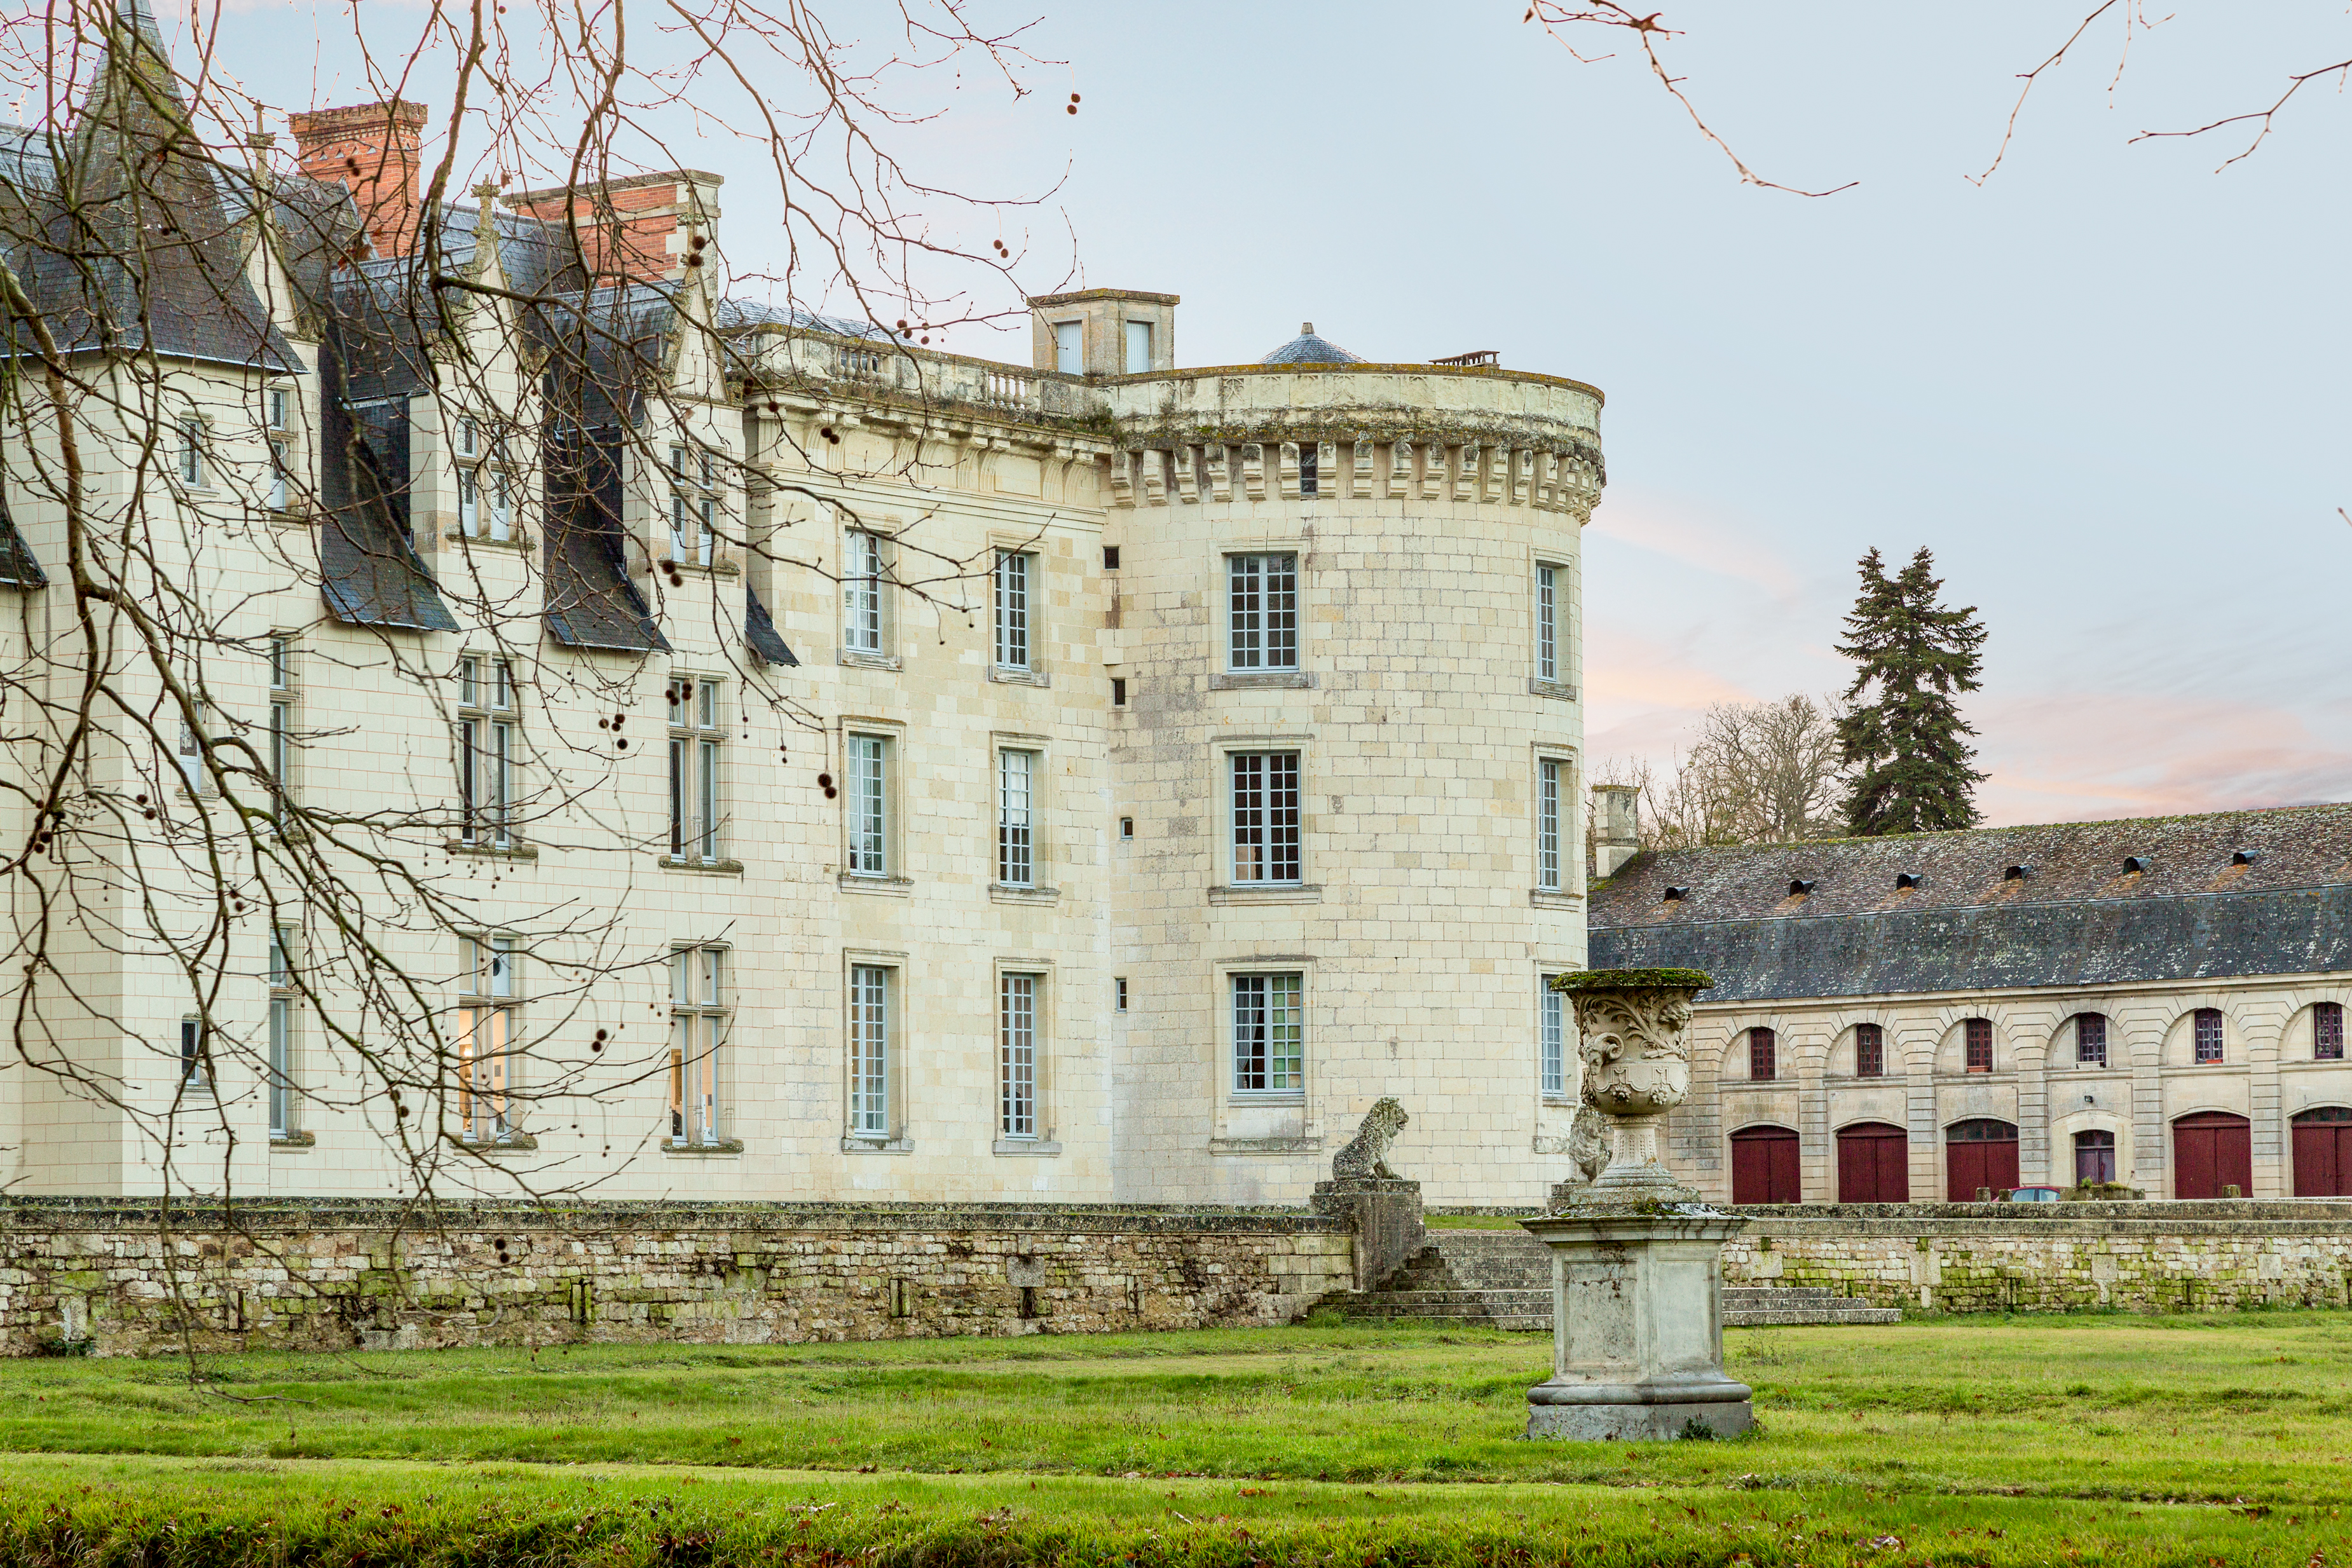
{"type": "Point", "coordinates": [697, 1007]}
{"type": "Point", "coordinates": [1012, 609]}
{"type": "Point", "coordinates": [861, 595]}
{"type": "Point", "coordinates": [1869, 1050]}
{"type": "Point", "coordinates": [2209, 1034]}
{"type": "Point", "coordinates": [1548, 622]}
{"type": "Point", "coordinates": [1265, 816]}
{"type": "Point", "coordinates": [1016, 774]}
{"type": "Point", "coordinates": [485, 1040]}
{"type": "Point", "coordinates": [1763, 1055]}
{"type": "Point", "coordinates": [1016, 1054]}
{"type": "Point", "coordinates": [2327, 1031]}
{"type": "Point", "coordinates": [1262, 611]}
{"type": "Point", "coordinates": [869, 757]}
{"type": "Point", "coordinates": [869, 1050]}
{"type": "Point", "coordinates": [694, 771]}
{"type": "Point", "coordinates": [1547, 793]}
{"type": "Point", "coordinates": [2090, 1039]}
{"type": "Point", "coordinates": [1555, 1041]}
{"type": "Point", "coordinates": [1269, 1034]}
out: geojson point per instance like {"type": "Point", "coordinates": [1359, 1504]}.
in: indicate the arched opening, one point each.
{"type": "Point", "coordinates": [2094, 1157]}
{"type": "Point", "coordinates": [2213, 1150]}
{"type": "Point", "coordinates": [1979, 1155]}
{"type": "Point", "coordinates": [1873, 1164]}
{"type": "Point", "coordinates": [1764, 1167]}
{"type": "Point", "coordinates": [2323, 1152]}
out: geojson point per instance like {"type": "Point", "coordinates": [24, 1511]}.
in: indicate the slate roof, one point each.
{"type": "Point", "coordinates": [1306, 349]}
{"type": "Point", "coordinates": [18, 568]}
{"type": "Point", "coordinates": [591, 601]}
{"type": "Point", "coordinates": [369, 571]}
{"type": "Point", "coordinates": [760, 632]}
{"type": "Point", "coordinates": [2234, 893]}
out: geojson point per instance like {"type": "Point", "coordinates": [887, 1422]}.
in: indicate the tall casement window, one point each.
{"type": "Point", "coordinates": [698, 1027]}
{"type": "Point", "coordinates": [194, 774]}
{"type": "Point", "coordinates": [1012, 609]}
{"type": "Point", "coordinates": [1016, 1056]}
{"type": "Point", "coordinates": [487, 994]}
{"type": "Point", "coordinates": [280, 738]}
{"type": "Point", "coordinates": [486, 748]}
{"type": "Point", "coordinates": [1265, 816]}
{"type": "Point", "coordinates": [693, 510]}
{"type": "Point", "coordinates": [2327, 1031]}
{"type": "Point", "coordinates": [1016, 780]}
{"type": "Point", "coordinates": [861, 594]}
{"type": "Point", "coordinates": [1547, 623]}
{"type": "Point", "coordinates": [695, 738]}
{"type": "Point", "coordinates": [1553, 1011]}
{"type": "Point", "coordinates": [485, 491]}
{"type": "Point", "coordinates": [1978, 1033]}
{"type": "Point", "coordinates": [1869, 1050]}
{"type": "Point", "coordinates": [195, 1053]}
{"type": "Point", "coordinates": [869, 1050]}
{"type": "Point", "coordinates": [2090, 1039]}
{"type": "Point", "coordinates": [1262, 611]}
{"type": "Point", "coordinates": [1269, 1034]}
{"type": "Point", "coordinates": [282, 1122]}
{"type": "Point", "coordinates": [1549, 784]}
{"type": "Point", "coordinates": [2209, 1034]}
{"type": "Point", "coordinates": [277, 424]}
{"type": "Point", "coordinates": [1763, 1056]}
{"type": "Point", "coordinates": [191, 455]}
{"type": "Point", "coordinates": [869, 803]}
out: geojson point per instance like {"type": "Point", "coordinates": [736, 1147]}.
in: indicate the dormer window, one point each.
{"type": "Point", "coordinates": [1904, 879]}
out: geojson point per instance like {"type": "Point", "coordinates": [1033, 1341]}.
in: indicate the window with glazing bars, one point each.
{"type": "Point", "coordinates": [870, 787]}
{"type": "Point", "coordinates": [869, 1050]}
{"type": "Point", "coordinates": [1555, 1041]}
{"type": "Point", "coordinates": [486, 751]}
{"type": "Point", "coordinates": [2209, 1034]}
{"type": "Point", "coordinates": [694, 755]}
{"type": "Point", "coordinates": [1016, 778]}
{"type": "Point", "coordinates": [2090, 1039]}
{"type": "Point", "coordinates": [1265, 816]}
{"type": "Point", "coordinates": [2327, 1031]}
{"type": "Point", "coordinates": [693, 529]}
{"type": "Point", "coordinates": [697, 1020]}
{"type": "Point", "coordinates": [1016, 1056]}
{"type": "Point", "coordinates": [1548, 791]}
{"type": "Point", "coordinates": [1269, 1034]}
{"type": "Point", "coordinates": [1869, 1050]}
{"type": "Point", "coordinates": [1763, 1055]}
{"type": "Point", "coordinates": [192, 451]}
{"type": "Point", "coordinates": [281, 1037]}
{"type": "Point", "coordinates": [1012, 617]}
{"type": "Point", "coordinates": [861, 595]}
{"type": "Point", "coordinates": [1978, 1036]}
{"type": "Point", "coordinates": [486, 984]}
{"type": "Point", "coordinates": [1548, 622]}
{"type": "Point", "coordinates": [282, 461]}
{"type": "Point", "coordinates": [1262, 611]}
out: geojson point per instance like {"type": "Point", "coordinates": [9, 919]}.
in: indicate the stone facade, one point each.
{"type": "Point", "coordinates": [2129, 1257]}
{"type": "Point", "coordinates": [113, 1278]}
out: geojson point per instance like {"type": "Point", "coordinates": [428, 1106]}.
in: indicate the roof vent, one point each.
{"type": "Point", "coordinates": [1907, 879]}
{"type": "Point", "coordinates": [2017, 874]}
{"type": "Point", "coordinates": [2134, 863]}
{"type": "Point", "coordinates": [1799, 889]}
{"type": "Point", "coordinates": [1676, 895]}
{"type": "Point", "coordinates": [2245, 857]}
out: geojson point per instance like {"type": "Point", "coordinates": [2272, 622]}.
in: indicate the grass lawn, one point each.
{"type": "Point", "coordinates": [2087, 1439]}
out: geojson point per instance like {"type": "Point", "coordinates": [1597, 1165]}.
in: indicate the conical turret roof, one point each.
{"type": "Point", "coordinates": [1306, 349]}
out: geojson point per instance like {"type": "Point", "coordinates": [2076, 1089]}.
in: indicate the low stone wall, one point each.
{"type": "Point", "coordinates": [117, 1277]}
{"type": "Point", "coordinates": [2071, 1257]}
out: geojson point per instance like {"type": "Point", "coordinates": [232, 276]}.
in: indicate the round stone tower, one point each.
{"type": "Point", "coordinates": [1348, 633]}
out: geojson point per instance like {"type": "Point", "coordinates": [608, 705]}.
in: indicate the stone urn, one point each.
{"type": "Point", "coordinates": [1637, 1258]}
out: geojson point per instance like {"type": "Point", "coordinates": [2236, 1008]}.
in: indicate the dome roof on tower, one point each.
{"type": "Point", "coordinates": [1306, 349]}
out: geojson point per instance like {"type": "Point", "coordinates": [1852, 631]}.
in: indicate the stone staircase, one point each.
{"type": "Point", "coordinates": [1502, 1279]}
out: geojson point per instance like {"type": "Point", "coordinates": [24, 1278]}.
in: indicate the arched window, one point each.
{"type": "Point", "coordinates": [1980, 1157]}
{"type": "Point", "coordinates": [2209, 1034]}
{"type": "Point", "coordinates": [1980, 1044]}
{"type": "Point", "coordinates": [2094, 1157]}
{"type": "Point", "coordinates": [1763, 1055]}
{"type": "Point", "coordinates": [2323, 1152]}
{"type": "Point", "coordinates": [1869, 1050]}
{"type": "Point", "coordinates": [2090, 1039]}
{"type": "Point", "coordinates": [2327, 1032]}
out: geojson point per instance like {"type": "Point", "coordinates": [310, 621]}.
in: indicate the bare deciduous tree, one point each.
{"type": "Point", "coordinates": [1757, 773]}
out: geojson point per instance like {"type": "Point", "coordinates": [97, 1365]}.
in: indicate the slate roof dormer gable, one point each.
{"type": "Point", "coordinates": [132, 248]}
{"type": "Point", "coordinates": [2080, 919]}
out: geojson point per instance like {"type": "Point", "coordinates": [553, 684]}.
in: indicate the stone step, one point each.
{"type": "Point", "coordinates": [1762, 1295]}
{"type": "Point", "coordinates": [1744, 1306]}
{"type": "Point", "coordinates": [1408, 1298]}
{"type": "Point", "coordinates": [1798, 1317]}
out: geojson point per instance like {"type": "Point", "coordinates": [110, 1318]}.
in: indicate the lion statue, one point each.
{"type": "Point", "coordinates": [1588, 1143]}
{"type": "Point", "coordinates": [1366, 1157]}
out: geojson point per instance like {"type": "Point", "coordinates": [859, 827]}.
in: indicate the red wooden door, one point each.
{"type": "Point", "coordinates": [2323, 1152]}
{"type": "Point", "coordinates": [1764, 1167]}
{"type": "Point", "coordinates": [2211, 1150]}
{"type": "Point", "coordinates": [1978, 1154]}
{"type": "Point", "coordinates": [1873, 1164]}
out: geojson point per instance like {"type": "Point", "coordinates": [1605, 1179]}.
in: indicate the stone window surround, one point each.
{"type": "Point", "coordinates": [1223, 889]}
{"type": "Point", "coordinates": [893, 734]}
{"type": "Point", "coordinates": [898, 985]}
{"type": "Point", "coordinates": [885, 529]}
{"type": "Point", "coordinates": [1220, 553]}
{"type": "Point", "coordinates": [1570, 1073]}
{"type": "Point", "coordinates": [1031, 543]}
{"type": "Point", "coordinates": [1047, 1057]}
{"type": "Point", "coordinates": [1225, 1097]}
{"type": "Point", "coordinates": [1040, 886]}
{"type": "Point", "coordinates": [1573, 803]}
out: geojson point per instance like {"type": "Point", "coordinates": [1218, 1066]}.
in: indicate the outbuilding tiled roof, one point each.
{"type": "Point", "coordinates": [2235, 892]}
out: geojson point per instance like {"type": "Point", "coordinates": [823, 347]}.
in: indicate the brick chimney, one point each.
{"type": "Point", "coordinates": [372, 148]}
{"type": "Point", "coordinates": [642, 229]}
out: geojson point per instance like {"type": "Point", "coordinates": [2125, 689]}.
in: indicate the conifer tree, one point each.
{"type": "Point", "coordinates": [1904, 741]}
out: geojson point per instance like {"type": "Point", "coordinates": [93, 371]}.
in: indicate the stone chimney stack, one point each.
{"type": "Point", "coordinates": [1616, 832]}
{"type": "Point", "coordinates": [648, 228]}
{"type": "Point", "coordinates": [373, 149]}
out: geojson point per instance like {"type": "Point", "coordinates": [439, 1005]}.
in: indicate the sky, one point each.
{"type": "Point", "coordinates": [2106, 385]}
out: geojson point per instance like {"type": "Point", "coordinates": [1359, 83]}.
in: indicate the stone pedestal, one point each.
{"type": "Point", "coordinates": [1637, 1259]}
{"type": "Point", "coordinates": [1386, 1216]}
